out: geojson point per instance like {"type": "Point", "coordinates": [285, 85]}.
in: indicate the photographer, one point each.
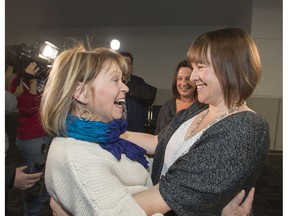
{"type": "Point", "coordinates": [31, 139]}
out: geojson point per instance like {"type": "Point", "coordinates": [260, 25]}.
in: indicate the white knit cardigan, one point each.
{"type": "Point", "coordinates": [89, 180]}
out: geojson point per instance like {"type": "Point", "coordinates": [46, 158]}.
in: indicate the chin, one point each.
{"type": "Point", "coordinates": [116, 117]}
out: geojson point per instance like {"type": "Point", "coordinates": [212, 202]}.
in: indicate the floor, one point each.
{"type": "Point", "coordinates": [267, 202]}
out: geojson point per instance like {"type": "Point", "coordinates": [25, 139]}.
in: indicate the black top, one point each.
{"type": "Point", "coordinates": [140, 95]}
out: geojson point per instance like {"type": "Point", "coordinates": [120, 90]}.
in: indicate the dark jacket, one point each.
{"type": "Point", "coordinates": [140, 96]}
{"type": "Point", "coordinates": [228, 157]}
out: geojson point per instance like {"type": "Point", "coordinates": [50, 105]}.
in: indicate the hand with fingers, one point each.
{"type": "Point", "coordinates": [24, 181]}
{"type": "Point", "coordinates": [32, 68]}
{"type": "Point", "coordinates": [235, 208]}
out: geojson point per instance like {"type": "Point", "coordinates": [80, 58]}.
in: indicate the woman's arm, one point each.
{"type": "Point", "coordinates": [146, 141]}
{"type": "Point", "coordinates": [152, 202]}
{"type": "Point", "coordinates": [232, 209]}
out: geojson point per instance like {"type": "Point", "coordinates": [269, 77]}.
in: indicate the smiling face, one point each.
{"type": "Point", "coordinates": [105, 91]}
{"type": "Point", "coordinates": [104, 94]}
{"type": "Point", "coordinates": [185, 87]}
{"type": "Point", "coordinates": [208, 86]}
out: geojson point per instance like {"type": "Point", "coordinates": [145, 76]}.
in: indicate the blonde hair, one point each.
{"type": "Point", "coordinates": [71, 67]}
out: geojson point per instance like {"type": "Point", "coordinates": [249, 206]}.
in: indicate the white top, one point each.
{"type": "Point", "coordinates": [178, 146]}
{"type": "Point", "coordinates": [89, 180]}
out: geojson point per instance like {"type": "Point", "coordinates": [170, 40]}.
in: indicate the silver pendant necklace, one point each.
{"type": "Point", "coordinates": [192, 132]}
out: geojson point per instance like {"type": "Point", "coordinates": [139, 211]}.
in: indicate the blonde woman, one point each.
{"type": "Point", "coordinates": [89, 169]}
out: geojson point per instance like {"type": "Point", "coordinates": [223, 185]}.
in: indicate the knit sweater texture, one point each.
{"type": "Point", "coordinates": [88, 180]}
{"type": "Point", "coordinates": [228, 157]}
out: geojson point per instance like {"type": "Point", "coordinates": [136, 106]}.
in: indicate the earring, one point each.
{"type": "Point", "coordinates": [82, 111]}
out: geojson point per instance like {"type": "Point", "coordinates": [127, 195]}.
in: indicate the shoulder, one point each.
{"type": "Point", "coordinates": [76, 149]}
{"type": "Point", "coordinates": [247, 120]}
{"type": "Point", "coordinates": [168, 103]}
{"type": "Point", "coordinates": [243, 130]}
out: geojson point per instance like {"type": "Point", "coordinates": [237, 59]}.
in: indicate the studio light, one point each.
{"type": "Point", "coordinates": [115, 44]}
{"type": "Point", "coordinates": [48, 50]}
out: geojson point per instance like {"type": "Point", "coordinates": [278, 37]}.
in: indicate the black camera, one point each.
{"type": "Point", "coordinates": [35, 168]}
{"type": "Point", "coordinates": [20, 56]}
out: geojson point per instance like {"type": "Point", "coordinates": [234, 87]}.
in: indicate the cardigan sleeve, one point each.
{"type": "Point", "coordinates": [227, 158]}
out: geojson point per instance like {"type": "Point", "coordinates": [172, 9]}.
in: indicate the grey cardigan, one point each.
{"type": "Point", "coordinates": [228, 157]}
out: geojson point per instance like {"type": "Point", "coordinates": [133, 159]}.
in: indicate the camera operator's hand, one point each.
{"type": "Point", "coordinates": [9, 76]}
{"type": "Point", "coordinates": [32, 68]}
{"type": "Point", "coordinates": [23, 180]}
{"type": "Point", "coordinates": [19, 89]}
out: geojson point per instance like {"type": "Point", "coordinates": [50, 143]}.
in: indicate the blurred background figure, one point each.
{"type": "Point", "coordinates": [26, 70]}
{"type": "Point", "coordinates": [31, 139]}
{"type": "Point", "coordinates": [141, 95]}
{"type": "Point", "coordinates": [14, 177]}
{"type": "Point", "coordinates": [184, 92]}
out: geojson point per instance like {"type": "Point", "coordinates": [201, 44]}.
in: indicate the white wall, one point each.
{"type": "Point", "coordinates": [267, 32]}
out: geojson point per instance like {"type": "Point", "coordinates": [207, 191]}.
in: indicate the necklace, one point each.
{"type": "Point", "coordinates": [192, 132]}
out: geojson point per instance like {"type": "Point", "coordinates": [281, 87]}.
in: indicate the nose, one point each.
{"type": "Point", "coordinates": [194, 75]}
{"type": "Point", "coordinates": [124, 88]}
{"type": "Point", "coordinates": [184, 82]}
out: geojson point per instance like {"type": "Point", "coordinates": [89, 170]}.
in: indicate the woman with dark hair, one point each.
{"type": "Point", "coordinates": [184, 92]}
{"type": "Point", "coordinates": [217, 146]}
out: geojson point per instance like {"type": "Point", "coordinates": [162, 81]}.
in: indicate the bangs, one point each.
{"type": "Point", "coordinates": [116, 60]}
{"type": "Point", "coordinates": [198, 52]}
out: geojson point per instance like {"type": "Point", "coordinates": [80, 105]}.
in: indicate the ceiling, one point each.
{"type": "Point", "coordinates": [93, 13]}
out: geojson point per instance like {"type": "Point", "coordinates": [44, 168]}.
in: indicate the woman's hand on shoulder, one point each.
{"type": "Point", "coordinates": [235, 208]}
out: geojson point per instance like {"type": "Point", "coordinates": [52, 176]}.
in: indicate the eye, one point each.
{"type": "Point", "coordinates": [125, 81]}
{"type": "Point", "coordinates": [201, 65]}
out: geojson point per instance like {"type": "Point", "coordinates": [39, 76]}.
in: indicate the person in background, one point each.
{"type": "Point", "coordinates": [217, 146]}
{"type": "Point", "coordinates": [141, 95]}
{"type": "Point", "coordinates": [31, 139]}
{"type": "Point", "coordinates": [184, 92]}
{"type": "Point", "coordinates": [14, 177]}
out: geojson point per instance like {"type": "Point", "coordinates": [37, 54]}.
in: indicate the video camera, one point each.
{"type": "Point", "coordinates": [42, 53]}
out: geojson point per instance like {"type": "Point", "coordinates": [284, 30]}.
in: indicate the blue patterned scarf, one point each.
{"type": "Point", "coordinates": [107, 135]}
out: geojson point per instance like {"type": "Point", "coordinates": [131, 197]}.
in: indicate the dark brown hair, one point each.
{"type": "Point", "coordinates": [235, 59]}
{"type": "Point", "coordinates": [183, 63]}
